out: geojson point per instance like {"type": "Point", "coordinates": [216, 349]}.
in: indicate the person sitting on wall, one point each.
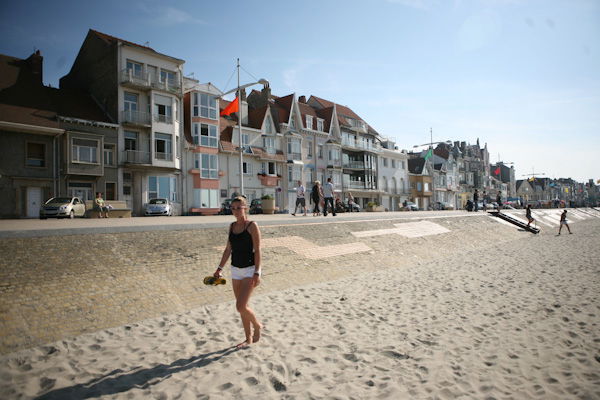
{"type": "Point", "coordinates": [100, 205]}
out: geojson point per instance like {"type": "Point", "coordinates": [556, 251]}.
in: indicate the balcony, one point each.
{"type": "Point", "coordinates": [135, 80]}
{"type": "Point", "coordinates": [355, 185]}
{"type": "Point", "coordinates": [135, 118]}
{"type": "Point", "coordinates": [135, 157]}
{"type": "Point", "coordinates": [355, 144]}
{"type": "Point", "coordinates": [294, 156]}
{"type": "Point", "coordinates": [354, 165]}
{"type": "Point", "coordinates": [168, 85]}
{"type": "Point", "coordinates": [165, 119]}
{"type": "Point", "coordinates": [163, 156]}
{"type": "Point", "coordinates": [268, 180]}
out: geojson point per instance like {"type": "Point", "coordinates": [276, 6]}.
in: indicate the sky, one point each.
{"type": "Point", "coordinates": [522, 76]}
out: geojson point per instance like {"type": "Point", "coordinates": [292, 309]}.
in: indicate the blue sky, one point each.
{"type": "Point", "coordinates": [522, 76]}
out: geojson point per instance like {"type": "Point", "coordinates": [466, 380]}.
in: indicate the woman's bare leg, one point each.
{"type": "Point", "coordinates": [243, 290]}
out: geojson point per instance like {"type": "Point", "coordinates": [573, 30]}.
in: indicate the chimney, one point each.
{"type": "Point", "coordinates": [302, 99]}
{"type": "Point", "coordinates": [266, 94]}
{"type": "Point", "coordinates": [35, 64]}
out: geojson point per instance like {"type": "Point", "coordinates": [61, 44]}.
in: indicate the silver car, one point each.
{"type": "Point", "coordinates": [158, 207]}
{"type": "Point", "coordinates": [62, 207]}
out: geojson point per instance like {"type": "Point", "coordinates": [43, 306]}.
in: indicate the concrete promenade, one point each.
{"type": "Point", "coordinates": [67, 277]}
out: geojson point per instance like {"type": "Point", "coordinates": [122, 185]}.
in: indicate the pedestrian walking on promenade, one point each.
{"type": "Point", "coordinates": [243, 245]}
{"type": "Point", "coordinates": [350, 202]}
{"type": "Point", "coordinates": [328, 195]}
{"type": "Point", "coordinates": [100, 205]}
{"type": "Point", "coordinates": [484, 197]}
{"type": "Point", "coordinates": [476, 199]}
{"type": "Point", "coordinates": [315, 196]}
{"type": "Point", "coordinates": [499, 200]}
{"type": "Point", "coordinates": [528, 215]}
{"type": "Point", "coordinates": [564, 221]}
{"type": "Point", "coordinates": [300, 199]}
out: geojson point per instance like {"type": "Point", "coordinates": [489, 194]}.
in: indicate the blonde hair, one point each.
{"type": "Point", "coordinates": [240, 199]}
{"type": "Point", "coordinates": [317, 182]}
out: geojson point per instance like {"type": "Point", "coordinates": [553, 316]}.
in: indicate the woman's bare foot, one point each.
{"type": "Point", "coordinates": [243, 345]}
{"type": "Point", "coordinates": [256, 336]}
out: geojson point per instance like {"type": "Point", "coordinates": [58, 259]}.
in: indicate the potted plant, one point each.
{"type": "Point", "coordinates": [268, 204]}
{"type": "Point", "coordinates": [372, 206]}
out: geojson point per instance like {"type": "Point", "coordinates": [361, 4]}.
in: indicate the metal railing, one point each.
{"type": "Point", "coordinates": [137, 79]}
{"type": "Point", "coordinates": [135, 157]}
{"type": "Point", "coordinates": [163, 156]}
{"type": "Point", "coordinates": [294, 156]}
{"type": "Point", "coordinates": [165, 119]}
{"type": "Point", "coordinates": [135, 117]}
{"type": "Point", "coordinates": [354, 164]}
{"type": "Point", "coordinates": [170, 85]}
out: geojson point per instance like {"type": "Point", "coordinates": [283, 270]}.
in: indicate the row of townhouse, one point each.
{"type": "Point", "coordinates": [553, 192]}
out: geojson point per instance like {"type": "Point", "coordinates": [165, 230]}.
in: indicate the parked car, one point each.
{"type": "Point", "coordinates": [225, 208]}
{"type": "Point", "coordinates": [256, 207]}
{"type": "Point", "coordinates": [352, 207]}
{"type": "Point", "coordinates": [158, 207]}
{"type": "Point", "coordinates": [410, 206]}
{"type": "Point", "coordinates": [62, 207]}
{"type": "Point", "coordinates": [442, 205]}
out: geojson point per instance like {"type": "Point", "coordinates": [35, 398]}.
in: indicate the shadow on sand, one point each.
{"type": "Point", "coordinates": [118, 381]}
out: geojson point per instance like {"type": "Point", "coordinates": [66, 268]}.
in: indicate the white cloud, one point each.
{"type": "Point", "coordinates": [169, 16]}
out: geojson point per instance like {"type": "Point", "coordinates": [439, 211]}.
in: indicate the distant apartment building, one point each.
{"type": "Point", "coordinates": [55, 142]}
{"type": "Point", "coordinates": [394, 181]}
{"type": "Point", "coordinates": [142, 91]}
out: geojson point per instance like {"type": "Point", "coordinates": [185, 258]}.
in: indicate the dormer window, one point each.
{"type": "Point", "coordinates": [320, 124]}
{"type": "Point", "coordinates": [309, 122]}
{"type": "Point", "coordinates": [268, 125]}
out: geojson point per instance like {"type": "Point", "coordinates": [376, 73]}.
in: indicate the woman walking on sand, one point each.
{"type": "Point", "coordinates": [528, 215]}
{"type": "Point", "coordinates": [316, 196]}
{"type": "Point", "coordinates": [243, 244]}
{"type": "Point", "coordinates": [563, 221]}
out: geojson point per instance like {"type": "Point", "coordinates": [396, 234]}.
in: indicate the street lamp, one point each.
{"type": "Point", "coordinates": [430, 144]}
{"type": "Point", "coordinates": [238, 89]}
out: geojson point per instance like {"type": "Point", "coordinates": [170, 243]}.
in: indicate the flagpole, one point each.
{"type": "Point", "coordinates": [239, 99]}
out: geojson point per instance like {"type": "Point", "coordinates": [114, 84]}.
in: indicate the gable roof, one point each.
{"type": "Point", "coordinates": [416, 165]}
{"type": "Point", "coordinates": [112, 40]}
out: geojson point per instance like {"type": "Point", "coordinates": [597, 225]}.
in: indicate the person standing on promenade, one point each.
{"type": "Point", "coordinates": [328, 195]}
{"type": "Point", "coordinates": [528, 215]}
{"type": "Point", "coordinates": [484, 200]}
{"type": "Point", "coordinates": [476, 200]}
{"type": "Point", "coordinates": [350, 202]}
{"type": "Point", "coordinates": [243, 245]}
{"type": "Point", "coordinates": [300, 200]}
{"type": "Point", "coordinates": [100, 205]}
{"type": "Point", "coordinates": [499, 200]}
{"type": "Point", "coordinates": [564, 221]}
{"type": "Point", "coordinates": [315, 197]}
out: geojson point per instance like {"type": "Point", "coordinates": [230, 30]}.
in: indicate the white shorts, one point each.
{"type": "Point", "coordinates": [241, 273]}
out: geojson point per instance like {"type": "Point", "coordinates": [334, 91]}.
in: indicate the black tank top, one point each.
{"type": "Point", "coordinates": [242, 249]}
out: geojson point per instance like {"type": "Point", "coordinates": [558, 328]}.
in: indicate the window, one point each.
{"type": "Point", "coordinates": [131, 140]}
{"type": "Point", "coordinates": [205, 135]}
{"type": "Point", "coordinates": [419, 186]}
{"type": "Point", "coordinates": [163, 109]}
{"type": "Point", "coordinates": [164, 187]}
{"type": "Point", "coordinates": [292, 123]}
{"type": "Point", "coordinates": [269, 144]}
{"type": "Point", "coordinates": [320, 150]}
{"type": "Point", "coordinates": [135, 68]}
{"type": "Point", "coordinates": [110, 191]}
{"type": "Point", "coordinates": [131, 101]}
{"type": "Point", "coordinates": [385, 162]}
{"type": "Point", "coordinates": [334, 154]}
{"type": "Point", "coordinates": [126, 190]}
{"type": "Point", "coordinates": [206, 198]}
{"type": "Point", "coordinates": [205, 106]}
{"type": "Point", "coordinates": [402, 164]}
{"type": "Point", "coordinates": [269, 168]}
{"type": "Point", "coordinates": [245, 140]}
{"type": "Point", "coordinates": [268, 125]}
{"type": "Point", "coordinates": [294, 146]}
{"type": "Point", "coordinates": [426, 186]}
{"type": "Point", "coordinates": [309, 148]}
{"type": "Point", "coordinates": [208, 166]}
{"type": "Point", "coordinates": [294, 174]}
{"type": "Point", "coordinates": [163, 149]}
{"type": "Point", "coordinates": [393, 163]}
{"type": "Point", "coordinates": [168, 77]}
{"type": "Point", "coordinates": [85, 151]}
{"type": "Point", "coordinates": [36, 155]}
{"type": "Point", "coordinates": [109, 154]}
{"type": "Point", "coordinates": [247, 168]}
{"type": "Point", "coordinates": [309, 122]}
{"type": "Point", "coordinates": [319, 124]}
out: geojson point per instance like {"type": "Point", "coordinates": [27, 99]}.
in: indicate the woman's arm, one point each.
{"type": "Point", "coordinates": [255, 233]}
{"type": "Point", "coordinates": [224, 258]}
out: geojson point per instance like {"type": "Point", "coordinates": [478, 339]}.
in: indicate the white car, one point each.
{"type": "Point", "coordinates": [158, 207]}
{"type": "Point", "coordinates": [62, 207]}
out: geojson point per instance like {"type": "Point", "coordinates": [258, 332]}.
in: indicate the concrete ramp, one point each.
{"type": "Point", "coordinates": [514, 221]}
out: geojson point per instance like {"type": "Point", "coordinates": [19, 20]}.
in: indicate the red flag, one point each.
{"type": "Point", "coordinates": [497, 171]}
{"type": "Point", "coordinates": [231, 108]}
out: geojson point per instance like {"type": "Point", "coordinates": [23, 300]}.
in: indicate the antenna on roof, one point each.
{"type": "Point", "coordinates": [146, 44]}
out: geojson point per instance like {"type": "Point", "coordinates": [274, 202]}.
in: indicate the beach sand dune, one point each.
{"type": "Point", "coordinates": [513, 320]}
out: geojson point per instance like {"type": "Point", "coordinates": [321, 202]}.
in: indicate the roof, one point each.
{"type": "Point", "coordinates": [415, 165]}
{"type": "Point", "coordinates": [26, 100]}
{"type": "Point", "coordinates": [111, 40]}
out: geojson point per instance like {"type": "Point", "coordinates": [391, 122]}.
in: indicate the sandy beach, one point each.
{"type": "Point", "coordinates": [512, 320]}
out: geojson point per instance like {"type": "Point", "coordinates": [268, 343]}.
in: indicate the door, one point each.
{"type": "Point", "coordinates": [34, 201]}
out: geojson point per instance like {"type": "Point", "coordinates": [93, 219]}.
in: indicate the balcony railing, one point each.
{"type": "Point", "coordinates": [354, 165]}
{"type": "Point", "coordinates": [165, 119]}
{"type": "Point", "coordinates": [294, 156]}
{"type": "Point", "coordinates": [359, 145]}
{"type": "Point", "coordinates": [354, 185]}
{"type": "Point", "coordinates": [135, 117]}
{"type": "Point", "coordinates": [163, 156]}
{"type": "Point", "coordinates": [136, 157]}
{"type": "Point", "coordinates": [140, 79]}
{"type": "Point", "coordinates": [169, 85]}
